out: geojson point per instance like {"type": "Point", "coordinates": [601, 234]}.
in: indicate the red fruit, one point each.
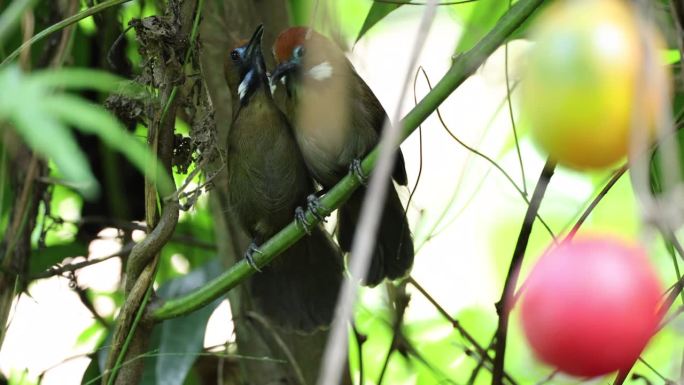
{"type": "Point", "coordinates": [590, 305]}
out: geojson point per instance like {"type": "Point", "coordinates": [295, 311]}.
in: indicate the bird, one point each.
{"type": "Point", "coordinates": [267, 180]}
{"type": "Point", "coordinates": [337, 120]}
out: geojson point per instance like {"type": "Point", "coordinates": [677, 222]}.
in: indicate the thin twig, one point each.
{"type": "Point", "coordinates": [675, 314]}
{"type": "Point", "coordinates": [457, 325]}
{"type": "Point", "coordinates": [61, 269]}
{"type": "Point", "coordinates": [364, 236]}
{"type": "Point", "coordinates": [657, 373]}
{"type": "Point", "coordinates": [671, 237]}
{"type": "Point", "coordinates": [186, 239]}
{"type": "Point", "coordinates": [514, 269]}
{"type": "Point", "coordinates": [296, 368]}
{"type": "Point", "coordinates": [548, 378]}
{"type": "Point", "coordinates": [360, 339]}
{"type": "Point", "coordinates": [62, 362]}
{"type": "Point", "coordinates": [590, 208]}
{"type": "Point", "coordinates": [491, 161]}
{"type": "Point", "coordinates": [671, 250]}
{"type": "Point", "coordinates": [478, 368]}
{"type": "Point", "coordinates": [462, 68]}
{"type": "Point", "coordinates": [465, 205]}
{"type": "Point", "coordinates": [604, 191]}
{"type": "Point", "coordinates": [671, 298]}
{"type": "Point", "coordinates": [402, 303]}
{"type": "Point", "coordinates": [420, 145]}
{"type": "Point", "coordinates": [434, 231]}
{"type": "Point", "coordinates": [86, 302]}
{"type": "Point", "coordinates": [407, 346]}
{"type": "Point", "coordinates": [510, 113]}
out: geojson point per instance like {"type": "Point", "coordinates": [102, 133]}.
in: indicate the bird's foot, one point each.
{"type": "Point", "coordinates": [313, 203]}
{"type": "Point", "coordinates": [249, 255]}
{"type": "Point", "coordinates": [356, 170]}
{"type": "Point", "coordinates": [300, 218]}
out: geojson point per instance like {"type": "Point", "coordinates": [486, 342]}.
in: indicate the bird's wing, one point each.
{"type": "Point", "coordinates": [378, 116]}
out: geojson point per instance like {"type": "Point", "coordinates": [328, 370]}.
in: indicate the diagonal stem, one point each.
{"type": "Point", "coordinates": [514, 269]}
{"type": "Point", "coordinates": [463, 66]}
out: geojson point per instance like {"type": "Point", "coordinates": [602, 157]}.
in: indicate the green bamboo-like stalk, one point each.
{"type": "Point", "coordinates": [463, 66]}
{"type": "Point", "coordinates": [61, 25]}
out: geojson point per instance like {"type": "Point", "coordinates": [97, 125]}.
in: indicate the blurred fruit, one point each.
{"type": "Point", "coordinates": [582, 78]}
{"type": "Point", "coordinates": [590, 305]}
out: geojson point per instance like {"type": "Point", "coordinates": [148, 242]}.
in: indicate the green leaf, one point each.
{"type": "Point", "coordinates": [378, 12]}
{"type": "Point", "coordinates": [300, 11]}
{"type": "Point", "coordinates": [481, 21]}
{"type": "Point", "coordinates": [55, 141]}
{"type": "Point", "coordinates": [79, 79]}
{"type": "Point", "coordinates": [93, 119]}
{"type": "Point", "coordinates": [20, 377]}
{"type": "Point", "coordinates": [10, 84]}
{"type": "Point", "coordinates": [92, 373]}
{"type": "Point", "coordinates": [94, 331]}
{"type": "Point", "coordinates": [182, 338]}
{"type": "Point", "coordinates": [40, 117]}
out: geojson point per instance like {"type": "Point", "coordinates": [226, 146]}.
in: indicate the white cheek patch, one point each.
{"type": "Point", "coordinates": [271, 85]}
{"type": "Point", "coordinates": [244, 85]}
{"type": "Point", "coordinates": [321, 71]}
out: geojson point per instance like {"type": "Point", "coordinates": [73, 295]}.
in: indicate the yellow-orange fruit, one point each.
{"type": "Point", "coordinates": [582, 80]}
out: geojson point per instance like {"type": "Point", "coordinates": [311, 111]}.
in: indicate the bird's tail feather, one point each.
{"type": "Point", "coordinates": [298, 291]}
{"type": "Point", "coordinates": [393, 254]}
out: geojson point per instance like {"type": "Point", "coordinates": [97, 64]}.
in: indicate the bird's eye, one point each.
{"type": "Point", "coordinates": [298, 51]}
{"type": "Point", "coordinates": [235, 55]}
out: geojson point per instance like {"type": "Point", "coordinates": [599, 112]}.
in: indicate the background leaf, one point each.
{"type": "Point", "coordinates": [482, 19]}
{"type": "Point", "coordinates": [182, 338]}
{"type": "Point", "coordinates": [378, 12]}
{"type": "Point", "coordinates": [55, 141]}
{"type": "Point", "coordinates": [93, 119]}
{"type": "Point", "coordinates": [80, 79]}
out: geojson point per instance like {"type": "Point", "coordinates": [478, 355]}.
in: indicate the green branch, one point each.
{"type": "Point", "coordinates": [463, 66]}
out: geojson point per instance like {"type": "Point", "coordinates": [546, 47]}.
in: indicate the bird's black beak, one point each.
{"type": "Point", "coordinates": [253, 52]}
{"type": "Point", "coordinates": [282, 70]}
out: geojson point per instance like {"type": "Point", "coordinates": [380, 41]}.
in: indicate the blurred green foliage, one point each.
{"type": "Point", "coordinates": [43, 109]}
